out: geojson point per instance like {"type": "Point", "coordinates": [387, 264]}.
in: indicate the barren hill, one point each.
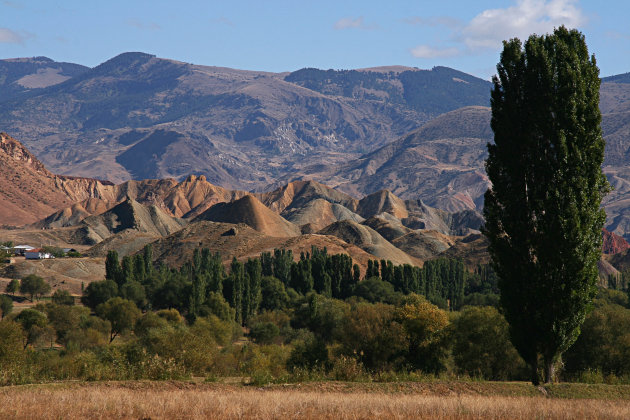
{"type": "Point", "coordinates": [382, 202]}
{"type": "Point", "coordinates": [242, 241]}
{"type": "Point", "coordinates": [297, 194]}
{"type": "Point", "coordinates": [129, 215]}
{"type": "Point", "coordinates": [319, 213]}
{"type": "Point", "coordinates": [28, 191]}
{"type": "Point", "coordinates": [250, 211]}
{"type": "Point", "coordinates": [369, 240]}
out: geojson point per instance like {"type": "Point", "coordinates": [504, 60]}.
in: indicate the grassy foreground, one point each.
{"type": "Point", "coordinates": [438, 400]}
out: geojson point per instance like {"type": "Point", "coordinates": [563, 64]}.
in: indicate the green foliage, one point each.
{"type": "Point", "coordinates": [64, 319]}
{"type": "Point", "coordinates": [264, 332]}
{"type": "Point", "coordinates": [99, 292]}
{"type": "Point", "coordinates": [6, 306]}
{"type": "Point", "coordinates": [603, 345]}
{"type": "Point", "coordinates": [134, 291]}
{"type": "Point", "coordinates": [62, 297]}
{"type": "Point", "coordinates": [543, 214]}
{"type": "Point", "coordinates": [426, 327]}
{"type": "Point", "coordinates": [34, 324]}
{"type": "Point", "coordinates": [310, 354]}
{"type": "Point", "coordinates": [54, 251]}
{"type": "Point", "coordinates": [482, 347]}
{"type": "Point", "coordinates": [374, 289]}
{"type": "Point", "coordinates": [323, 316]}
{"type": "Point", "coordinates": [13, 287]}
{"type": "Point", "coordinates": [122, 315]}
{"type": "Point", "coordinates": [273, 294]}
{"type": "Point", "coordinates": [34, 285]}
{"type": "Point", "coordinates": [11, 347]}
{"type": "Point", "coordinates": [371, 333]}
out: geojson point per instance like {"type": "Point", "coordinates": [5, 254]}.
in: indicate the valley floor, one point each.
{"type": "Point", "coordinates": [327, 400]}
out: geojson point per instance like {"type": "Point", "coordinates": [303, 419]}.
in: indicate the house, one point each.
{"type": "Point", "coordinates": [21, 249]}
{"type": "Point", "coordinates": [37, 254]}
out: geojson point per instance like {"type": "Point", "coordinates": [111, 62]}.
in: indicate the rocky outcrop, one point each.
{"type": "Point", "coordinates": [612, 243]}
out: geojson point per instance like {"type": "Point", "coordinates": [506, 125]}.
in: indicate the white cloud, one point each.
{"type": "Point", "coordinates": [353, 23]}
{"type": "Point", "coordinates": [489, 28]}
{"type": "Point", "coordinates": [7, 36]}
{"type": "Point", "coordinates": [425, 51]}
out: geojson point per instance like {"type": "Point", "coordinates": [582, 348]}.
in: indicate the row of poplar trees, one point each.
{"type": "Point", "coordinates": [202, 284]}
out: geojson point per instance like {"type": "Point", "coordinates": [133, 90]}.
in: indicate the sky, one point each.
{"type": "Point", "coordinates": [286, 35]}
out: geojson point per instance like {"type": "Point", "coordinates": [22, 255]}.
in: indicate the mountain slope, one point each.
{"type": "Point", "coordinates": [367, 239]}
{"type": "Point", "coordinates": [442, 162]}
{"type": "Point", "coordinates": [28, 191]}
{"type": "Point", "coordinates": [129, 215]}
{"type": "Point", "coordinates": [29, 75]}
{"type": "Point", "coordinates": [139, 116]}
{"type": "Point", "coordinates": [250, 211]}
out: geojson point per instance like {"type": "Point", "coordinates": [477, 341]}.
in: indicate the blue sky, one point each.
{"type": "Point", "coordinates": [279, 35]}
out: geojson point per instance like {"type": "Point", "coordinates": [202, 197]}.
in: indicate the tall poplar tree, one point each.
{"type": "Point", "coordinates": [543, 214]}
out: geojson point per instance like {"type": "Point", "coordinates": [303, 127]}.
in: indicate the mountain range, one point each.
{"type": "Point", "coordinates": [100, 216]}
{"type": "Point", "coordinates": [420, 134]}
{"type": "Point", "coordinates": [137, 116]}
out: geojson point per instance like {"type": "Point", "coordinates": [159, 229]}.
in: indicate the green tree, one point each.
{"type": "Point", "coordinates": [113, 271]}
{"type": "Point", "coordinates": [13, 287]}
{"type": "Point", "coordinates": [425, 326]}
{"type": "Point", "coordinates": [34, 285]}
{"type": "Point", "coordinates": [63, 297]}
{"type": "Point", "coordinates": [11, 345]}
{"type": "Point", "coordinates": [34, 324]}
{"type": "Point", "coordinates": [274, 294]}
{"type": "Point", "coordinates": [121, 313]}
{"type": "Point", "coordinates": [482, 347]}
{"type": "Point", "coordinates": [6, 306]}
{"type": "Point", "coordinates": [99, 292]}
{"type": "Point", "coordinates": [543, 215]}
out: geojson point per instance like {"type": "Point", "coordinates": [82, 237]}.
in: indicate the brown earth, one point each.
{"type": "Point", "coordinates": [251, 211]}
{"type": "Point", "coordinates": [244, 242]}
{"type": "Point", "coordinates": [369, 240]}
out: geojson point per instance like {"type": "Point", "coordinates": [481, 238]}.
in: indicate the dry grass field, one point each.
{"type": "Point", "coordinates": [181, 400]}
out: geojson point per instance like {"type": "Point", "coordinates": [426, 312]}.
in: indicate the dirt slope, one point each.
{"type": "Point", "coordinates": [243, 241]}
{"type": "Point", "coordinates": [369, 240]}
{"type": "Point", "coordinates": [250, 211]}
{"type": "Point", "coordinates": [130, 215]}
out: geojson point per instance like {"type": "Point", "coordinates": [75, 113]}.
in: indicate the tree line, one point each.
{"type": "Point", "coordinates": [202, 285]}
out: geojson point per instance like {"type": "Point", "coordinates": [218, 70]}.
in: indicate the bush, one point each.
{"type": "Point", "coordinates": [99, 292]}
{"type": "Point", "coordinates": [376, 290]}
{"type": "Point", "coordinates": [371, 334]}
{"type": "Point", "coordinates": [309, 354]}
{"type": "Point", "coordinates": [6, 306]}
{"type": "Point", "coordinates": [62, 297]}
{"type": "Point", "coordinates": [425, 326]}
{"type": "Point", "coordinates": [482, 347]}
{"type": "Point", "coordinates": [264, 332]}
